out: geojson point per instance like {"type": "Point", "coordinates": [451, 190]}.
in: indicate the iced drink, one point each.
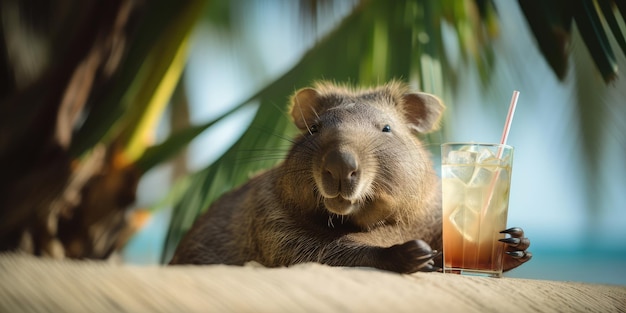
{"type": "Point", "coordinates": [475, 183]}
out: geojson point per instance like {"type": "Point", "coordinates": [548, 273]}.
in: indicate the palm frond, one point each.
{"type": "Point", "coordinates": [551, 23]}
{"type": "Point", "coordinates": [153, 88]}
{"type": "Point", "coordinates": [590, 27]}
{"type": "Point", "coordinates": [611, 18]}
{"type": "Point", "coordinates": [109, 106]}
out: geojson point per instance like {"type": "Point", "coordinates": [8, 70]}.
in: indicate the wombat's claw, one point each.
{"type": "Point", "coordinates": [515, 232]}
{"type": "Point", "coordinates": [520, 243]}
{"type": "Point", "coordinates": [409, 257]}
{"type": "Point", "coordinates": [513, 242]}
{"type": "Point", "coordinates": [430, 268]}
{"type": "Point", "coordinates": [436, 253]}
{"type": "Point", "coordinates": [516, 254]}
{"type": "Point", "coordinates": [517, 239]}
{"type": "Point", "coordinates": [516, 247]}
{"type": "Point", "coordinates": [430, 265]}
{"type": "Point", "coordinates": [433, 254]}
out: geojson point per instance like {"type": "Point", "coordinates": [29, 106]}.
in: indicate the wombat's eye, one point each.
{"type": "Point", "coordinates": [386, 129]}
{"type": "Point", "coordinates": [313, 129]}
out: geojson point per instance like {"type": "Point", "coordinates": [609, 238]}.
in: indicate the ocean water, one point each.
{"type": "Point", "coordinates": [597, 266]}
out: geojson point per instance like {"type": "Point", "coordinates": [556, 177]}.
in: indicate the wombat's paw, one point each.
{"type": "Point", "coordinates": [516, 251]}
{"type": "Point", "coordinates": [410, 257]}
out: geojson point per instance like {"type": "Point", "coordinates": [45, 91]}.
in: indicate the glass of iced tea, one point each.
{"type": "Point", "coordinates": [476, 180]}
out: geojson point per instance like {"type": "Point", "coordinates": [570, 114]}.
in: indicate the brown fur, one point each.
{"type": "Point", "coordinates": [349, 193]}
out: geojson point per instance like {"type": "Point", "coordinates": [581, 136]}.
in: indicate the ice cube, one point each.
{"type": "Point", "coordinates": [490, 161]}
{"type": "Point", "coordinates": [460, 164]}
{"type": "Point", "coordinates": [453, 192]}
{"type": "Point", "coordinates": [461, 157]}
{"type": "Point", "coordinates": [504, 178]}
{"type": "Point", "coordinates": [483, 176]}
{"type": "Point", "coordinates": [462, 172]}
{"type": "Point", "coordinates": [486, 156]}
{"type": "Point", "coordinates": [476, 197]}
{"type": "Point", "coordinates": [466, 221]}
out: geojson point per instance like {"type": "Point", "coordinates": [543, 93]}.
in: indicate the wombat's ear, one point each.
{"type": "Point", "coordinates": [305, 106]}
{"type": "Point", "coordinates": [423, 111]}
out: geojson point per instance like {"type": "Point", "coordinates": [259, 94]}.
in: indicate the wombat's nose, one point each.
{"type": "Point", "coordinates": [342, 166]}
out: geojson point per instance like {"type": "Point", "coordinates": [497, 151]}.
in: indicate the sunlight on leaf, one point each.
{"type": "Point", "coordinates": [162, 73]}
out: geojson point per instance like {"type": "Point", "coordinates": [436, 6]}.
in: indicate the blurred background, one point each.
{"type": "Point", "coordinates": [121, 121]}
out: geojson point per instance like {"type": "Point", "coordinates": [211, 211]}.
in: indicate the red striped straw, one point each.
{"type": "Point", "coordinates": [509, 118]}
{"type": "Point", "coordinates": [505, 135]}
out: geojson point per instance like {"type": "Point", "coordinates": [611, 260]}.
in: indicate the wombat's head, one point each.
{"type": "Point", "coordinates": [359, 151]}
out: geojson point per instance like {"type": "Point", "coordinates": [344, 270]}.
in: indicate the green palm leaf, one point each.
{"type": "Point", "coordinates": [129, 81]}
{"type": "Point", "coordinates": [550, 22]}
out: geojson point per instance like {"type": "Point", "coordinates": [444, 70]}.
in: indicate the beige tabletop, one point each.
{"type": "Point", "coordinates": [29, 284]}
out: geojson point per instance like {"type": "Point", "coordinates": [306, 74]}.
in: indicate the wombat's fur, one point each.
{"type": "Point", "coordinates": [356, 189]}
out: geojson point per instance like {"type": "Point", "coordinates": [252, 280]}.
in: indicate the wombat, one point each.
{"type": "Point", "coordinates": [357, 188]}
